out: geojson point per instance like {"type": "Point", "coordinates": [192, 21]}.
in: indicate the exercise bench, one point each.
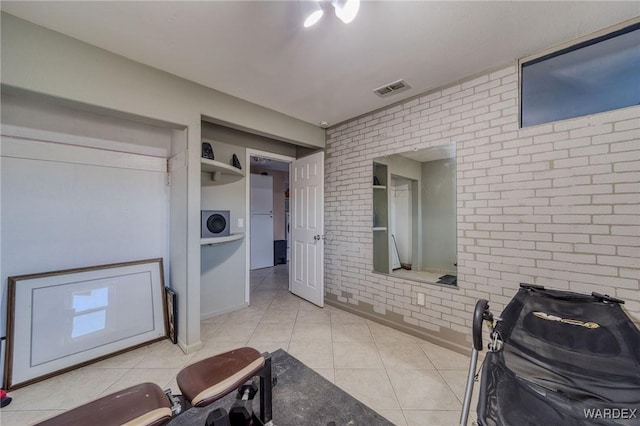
{"type": "Point", "coordinates": [201, 384]}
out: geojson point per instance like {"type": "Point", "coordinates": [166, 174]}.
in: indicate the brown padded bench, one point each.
{"type": "Point", "coordinates": [201, 383]}
{"type": "Point", "coordinates": [141, 405]}
{"type": "Point", "coordinates": [208, 380]}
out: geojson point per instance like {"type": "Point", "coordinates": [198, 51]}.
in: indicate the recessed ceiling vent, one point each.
{"type": "Point", "coordinates": [391, 88]}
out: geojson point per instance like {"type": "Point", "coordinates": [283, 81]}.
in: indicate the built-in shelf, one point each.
{"type": "Point", "coordinates": [379, 187]}
{"type": "Point", "coordinates": [219, 240]}
{"type": "Point", "coordinates": [379, 228]}
{"type": "Point", "coordinates": [217, 169]}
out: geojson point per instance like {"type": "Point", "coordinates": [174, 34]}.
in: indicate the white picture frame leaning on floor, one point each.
{"type": "Point", "coordinates": [61, 320]}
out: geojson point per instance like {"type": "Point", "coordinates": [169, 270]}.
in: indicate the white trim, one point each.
{"type": "Point", "coordinates": [27, 149]}
{"type": "Point", "coordinates": [575, 41]}
{"type": "Point", "coordinates": [218, 240]}
{"type": "Point", "coordinates": [562, 46]}
{"type": "Point", "coordinates": [247, 222]}
{"type": "Point", "coordinates": [85, 141]}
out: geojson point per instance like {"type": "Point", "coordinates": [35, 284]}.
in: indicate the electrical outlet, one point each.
{"type": "Point", "coordinates": [421, 299]}
{"type": "Point", "coordinates": [240, 222]}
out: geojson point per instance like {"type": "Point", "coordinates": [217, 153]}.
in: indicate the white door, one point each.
{"type": "Point", "coordinates": [306, 276]}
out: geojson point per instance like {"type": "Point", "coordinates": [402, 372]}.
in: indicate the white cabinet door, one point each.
{"type": "Point", "coordinates": [306, 276]}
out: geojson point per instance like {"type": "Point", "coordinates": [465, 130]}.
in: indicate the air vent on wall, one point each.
{"type": "Point", "coordinates": [391, 88]}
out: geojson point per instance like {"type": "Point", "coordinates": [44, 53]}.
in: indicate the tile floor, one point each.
{"type": "Point", "coordinates": [406, 379]}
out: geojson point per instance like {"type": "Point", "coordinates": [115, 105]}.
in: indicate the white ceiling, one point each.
{"type": "Point", "coordinates": [259, 51]}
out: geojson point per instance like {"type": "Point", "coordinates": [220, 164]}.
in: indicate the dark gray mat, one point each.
{"type": "Point", "coordinates": [448, 279]}
{"type": "Point", "coordinates": [301, 397]}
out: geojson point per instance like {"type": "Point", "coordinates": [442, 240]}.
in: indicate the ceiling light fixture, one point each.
{"type": "Point", "coordinates": [315, 14]}
{"type": "Point", "coordinates": [346, 10]}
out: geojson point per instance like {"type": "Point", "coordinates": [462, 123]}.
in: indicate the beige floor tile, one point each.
{"type": "Point", "coordinates": [310, 332]}
{"type": "Point", "coordinates": [216, 321]}
{"type": "Point", "coordinates": [278, 316]}
{"type": "Point", "coordinates": [313, 354]}
{"type": "Point", "coordinates": [285, 305]}
{"type": "Point", "coordinates": [268, 345]}
{"type": "Point", "coordinates": [384, 334]}
{"type": "Point", "coordinates": [422, 390]}
{"type": "Point", "coordinates": [262, 296]}
{"type": "Point", "coordinates": [216, 347]}
{"type": "Point", "coordinates": [125, 360]}
{"type": "Point", "coordinates": [457, 381]}
{"type": "Point", "coordinates": [273, 332]}
{"type": "Point", "coordinates": [313, 315]}
{"type": "Point", "coordinates": [237, 331]}
{"type": "Point", "coordinates": [327, 373]}
{"type": "Point", "coordinates": [394, 416]}
{"type": "Point", "coordinates": [270, 284]}
{"type": "Point", "coordinates": [432, 417]}
{"type": "Point", "coordinates": [370, 386]}
{"type": "Point", "coordinates": [351, 333]}
{"type": "Point", "coordinates": [207, 331]}
{"type": "Point", "coordinates": [342, 317]}
{"type": "Point", "coordinates": [443, 358]}
{"type": "Point", "coordinates": [65, 391]}
{"type": "Point", "coordinates": [285, 299]}
{"type": "Point", "coordinates": [22, 418]}
{"type": "Point", "coordinates": [305, 305]}
{"type": "Point", "coordinates": [407, 356]}
{"type": "Point", "coordinates": [164, 355]}
{"type": "Point", "coordinates": [356, 355]}
{"type": "Point", "coordinates": [245, 316]}
{"type": "Point", "coordinates": [135, 376]}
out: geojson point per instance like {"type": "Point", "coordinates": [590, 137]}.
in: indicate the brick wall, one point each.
{"type": "Point", "coordinates": [555, 204]}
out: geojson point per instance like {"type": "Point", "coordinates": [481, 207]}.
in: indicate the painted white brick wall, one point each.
{"type": "Point", "coordinates": [556, 204]}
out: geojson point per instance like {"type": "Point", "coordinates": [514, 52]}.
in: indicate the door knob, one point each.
{"type": "Point", "coordinates": [316, 237]}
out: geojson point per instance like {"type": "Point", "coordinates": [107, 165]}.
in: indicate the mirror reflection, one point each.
{"type": "Point", "coordinates": [414, 215]}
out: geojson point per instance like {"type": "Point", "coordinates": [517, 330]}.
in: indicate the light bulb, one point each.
{"type": "Point", "coordinates": [346, 11]}
{"type": "Point", "coordinates": [313, 18]}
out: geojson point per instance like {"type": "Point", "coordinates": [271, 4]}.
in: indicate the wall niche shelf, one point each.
{"type": "Point", "coordinates": [218, 169]}
{"type": "Point", "coordinates": [380, 206]}
{"type": "Point", "coordinates": [218, 240]}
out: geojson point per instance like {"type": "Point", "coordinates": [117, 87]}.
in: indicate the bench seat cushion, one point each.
{"type": "Point", "coordinates": [141, 405]}
{"type": "Point", "coordinates": [212, 378]}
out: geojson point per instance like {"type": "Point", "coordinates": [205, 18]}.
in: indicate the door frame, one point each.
{"type": "Point", "coordinates": [247, 222]}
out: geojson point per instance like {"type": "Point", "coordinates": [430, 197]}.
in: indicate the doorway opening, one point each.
{"type": "Point", "coordinates": [268, 207]}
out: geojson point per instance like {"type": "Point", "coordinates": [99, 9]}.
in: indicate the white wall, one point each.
{"type": "Point", "coordinates": [66, 206]}
{"type": "Point", "coordinates": [222, 266]}
{"type": "Point", "coordinates": [91, 128]}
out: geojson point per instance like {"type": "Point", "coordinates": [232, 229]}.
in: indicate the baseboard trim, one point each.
{"type": "Point", "coordinates": [413, 331]}
{"type": "Point", "coordinates": [189, 349]}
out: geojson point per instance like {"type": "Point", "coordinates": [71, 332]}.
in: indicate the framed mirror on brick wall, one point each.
{"type": "Point", "coordinates": [414, 215]}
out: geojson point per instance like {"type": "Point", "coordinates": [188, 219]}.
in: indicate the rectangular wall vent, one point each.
{"type": "Point", "coordinates": [391, 88]}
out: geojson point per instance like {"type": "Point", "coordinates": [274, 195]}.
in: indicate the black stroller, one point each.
{"type": "Point", "coordinates": [556, 358]}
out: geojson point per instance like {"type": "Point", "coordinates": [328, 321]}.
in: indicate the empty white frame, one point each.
{"type": "Point", "coordinates": [64, 319]}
